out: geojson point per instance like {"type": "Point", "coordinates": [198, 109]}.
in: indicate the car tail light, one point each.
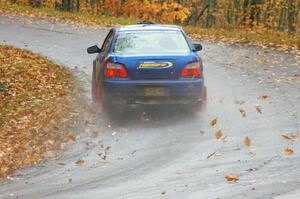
{"type": "Point", "coordinates": [191, 70]}
{"type": "Point", "coordinates": [115, 70]}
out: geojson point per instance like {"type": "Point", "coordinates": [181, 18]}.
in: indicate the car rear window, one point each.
{"type": "Point", "coordinates": [151, 42]}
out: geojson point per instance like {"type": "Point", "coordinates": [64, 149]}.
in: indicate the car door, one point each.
{"type": "Point", "coordinates": [99, 62]}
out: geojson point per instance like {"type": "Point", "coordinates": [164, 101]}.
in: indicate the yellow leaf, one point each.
{"type": "Point", "coordinates": [247, 141]}
{"type": "Point", "coordinates": [288, 151]}
{"type": "Point", "coordinates": [263, 97]}
{"type": "Point", "coordinates": [232, 177]}
{"type": "Point", "coordinates": [214, 122]}
{"type": "Point", "coordinates": [218, 134]}
{"type": "Point", "coordinates": [86, 130]}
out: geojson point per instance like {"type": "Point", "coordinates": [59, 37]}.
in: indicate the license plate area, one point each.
{"type": "Point", "coordinates": [154, 91]}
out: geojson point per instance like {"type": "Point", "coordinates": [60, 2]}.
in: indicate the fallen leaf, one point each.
{"type": "Point", "coordinates": [247, 141]}
{"type": "Point", "coordinates": [107, 148]}
{"type": "Point", "coordinates": [288, 151]}
{"type": "Point", "coordinates": [224, 139]}
{"type": "Point", "coordinates": [210, 155]}
{"type": "Point", "coordinates": [79, 162]}
{"type": "Point", "coordinates": [90, 110]}
{"type": "Point", "coordinates": [243, 112]}
{"type": "Point", "coordinates": [133, 152]}
{"type": "Point", "coordinates": [70, 137]}
{"type": "Point", "coordinates": [95, 134]}
{"type": "Point", "coordinates": [263, 97]}
{"type": "Point", "coordinates": [163, 192]}
{"type": "Point", "coordinates": [286, 137]}
{"type": "Point", "coordinates": [258, 108]}
{"type": "Point", "coordinates": [232, 177]}
{"type": "Point", "coordinates": [214, 122]}
{"type": "Point", "coordinates": [102, 156]}
{"type": "Point", "coordinates": [218, 134]}
{"type": "Point", "coordinates": [86, 130]}
{"type": "Point", "coordinates": [35, 99]}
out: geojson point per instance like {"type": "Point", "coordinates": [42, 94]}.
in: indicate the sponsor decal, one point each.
{"type": "Point", "coordinates": [155, 65]}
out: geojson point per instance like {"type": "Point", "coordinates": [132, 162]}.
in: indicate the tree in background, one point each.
{"type": "Point", "coordinates": [258, 15]}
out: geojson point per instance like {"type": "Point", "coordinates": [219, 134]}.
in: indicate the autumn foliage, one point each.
{"type": "Point", "coordinates": [34, 96]}
{"type": "Point", "coordinates": [258, 15]}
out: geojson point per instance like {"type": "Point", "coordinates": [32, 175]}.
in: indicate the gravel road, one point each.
{"type": "Point", "coordinates": [170, 153]}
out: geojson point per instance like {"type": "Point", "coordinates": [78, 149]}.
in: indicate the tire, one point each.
{"type": "Point", "coordinates": [95, 91]}
{"type": "Point", "coordinates": [199, 106]}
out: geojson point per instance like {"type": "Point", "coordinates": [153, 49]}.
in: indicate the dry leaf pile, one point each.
{"type": "Point", "coordinates": [35, 105]}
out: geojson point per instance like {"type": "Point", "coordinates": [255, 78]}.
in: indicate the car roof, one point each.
{"type": "Point", "coordinates": [149, 27]}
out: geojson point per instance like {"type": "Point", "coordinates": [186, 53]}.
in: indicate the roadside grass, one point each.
{"type": "Point", "coordinates": [35, 107]}
{"type": "Point", "coordinates": [278, 40]}
{"type": "Point", "coordinates": [88, 19]}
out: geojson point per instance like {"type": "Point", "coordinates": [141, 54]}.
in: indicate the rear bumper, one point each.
{"type": "Point", "coordinates": [182, 91]}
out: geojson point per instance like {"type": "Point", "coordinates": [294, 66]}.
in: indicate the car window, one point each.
{"type": "Point", "coordinates": [151, 42]}
{"type": "Point", "coordinates": [107, 41]}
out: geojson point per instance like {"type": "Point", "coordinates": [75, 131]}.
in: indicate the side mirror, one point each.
{"type": "Point", "coordinates": [93, 49]}
{"type": "Point", "coordinates": [197, 46]}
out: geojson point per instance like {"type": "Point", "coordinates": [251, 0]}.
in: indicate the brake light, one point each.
{"type": "Point", "coordinates": [115, 70]}
{"type": "Point", "coordinates": [191, 70]}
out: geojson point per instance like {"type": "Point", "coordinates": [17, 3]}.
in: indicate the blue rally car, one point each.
{"type": "Point", "coordinates": [148, 64]}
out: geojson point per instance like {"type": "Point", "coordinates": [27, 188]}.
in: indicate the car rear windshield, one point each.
{"type": "Point", "coordinates": [151, 42]}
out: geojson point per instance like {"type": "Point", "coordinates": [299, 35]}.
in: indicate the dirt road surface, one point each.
{"type": "Point", "coordinates": [149, 153]}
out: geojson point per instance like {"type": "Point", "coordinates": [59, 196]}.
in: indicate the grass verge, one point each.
{"type": "Point", "coordinates": [36, 107]}
{"type": "Point", "coordinates": [278, 40]}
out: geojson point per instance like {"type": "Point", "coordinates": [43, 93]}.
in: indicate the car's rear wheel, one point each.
{"type": "Point", "coordinates": [200, 105]}
{"type": "Point", "coordinates": [95, 90]}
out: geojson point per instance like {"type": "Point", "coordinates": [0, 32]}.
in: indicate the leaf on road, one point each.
{"type": "Point", "coordinates": [70, 137]}
{"type": "Point", "coordinates": [214, 122]}
{"type": "Point", "coordinates": [102, 156]}
{"type": "Point", "coordinates": [286, 137]}
{"type": "Point", "coordinates": [232, 178]}
{"type": "Point", "coordinates": [258, 108]}
{"type": "Point", "coordinates": [263, 97]}
{"type": "Point", "coordinates": [243, 112]}
{"type": "Point", "coordinates": [210, 155]}
{"type": "Point", "coordinates": [90, 110]}
{"type": "Point", "coordinates": [95, 134]}
{"type": "Point", "coordinates": [79, 162]}
{"type": "Point", "coordinates": [35, 106]}
{"type": "Point", "coordinates": [218, 134]}
{"type": "Point", "coordinates": [133, 152]}
{"type": "Point", "coordinates": [288, 151]}
{"type": "Point", "coordinates": [86, 130]}
{"type": "Point", "coordinates": [247, 141]}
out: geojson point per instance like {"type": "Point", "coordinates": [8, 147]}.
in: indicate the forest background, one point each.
{"type": "Point", "coordinates": [275, 21]}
